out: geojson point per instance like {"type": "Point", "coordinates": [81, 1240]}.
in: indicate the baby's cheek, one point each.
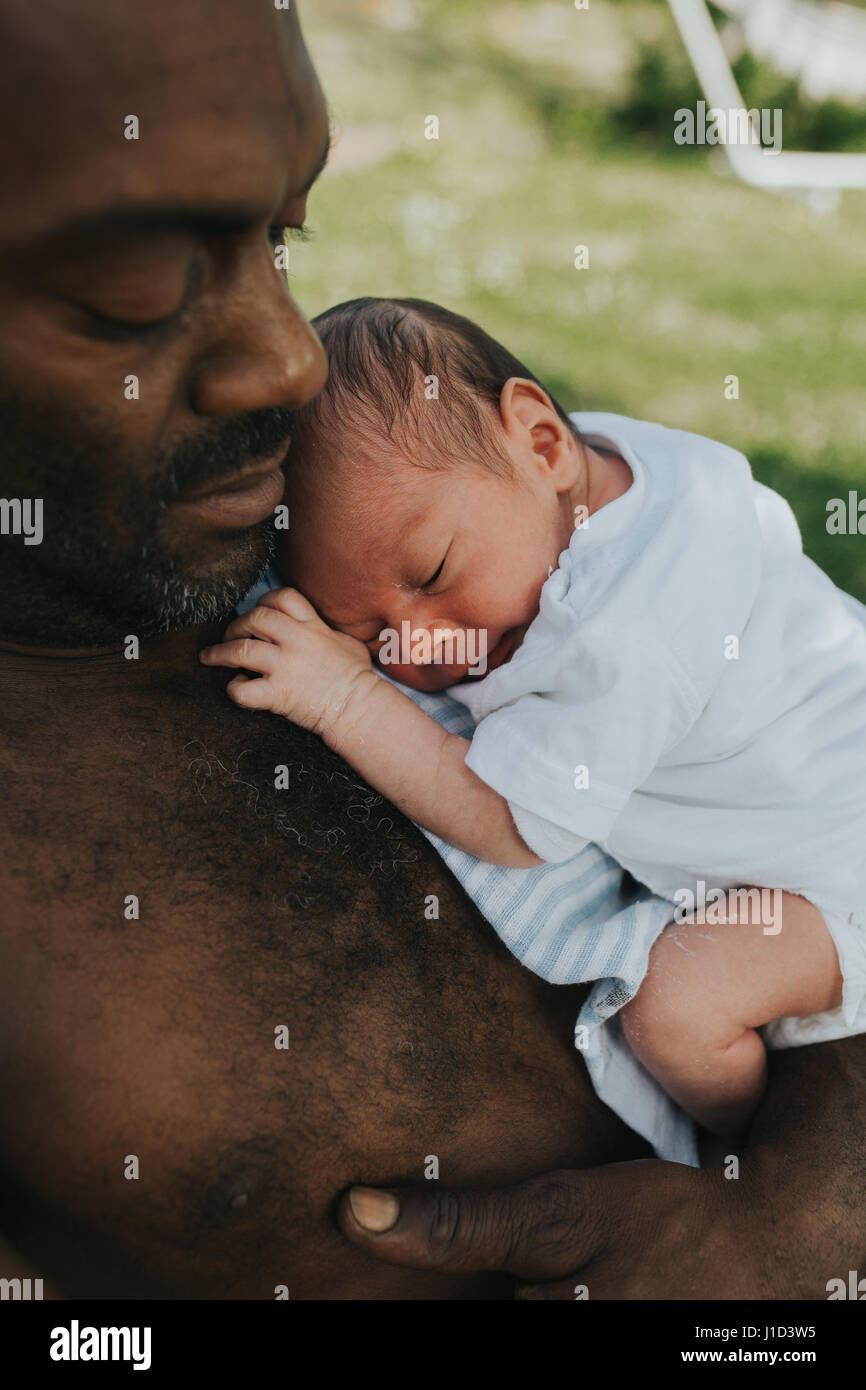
{"type": "Point", "coordinates": [515, 599]}
{"type": "Point", "coordinates": [429, 678]}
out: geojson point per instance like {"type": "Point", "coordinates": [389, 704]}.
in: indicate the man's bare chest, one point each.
{"type": "Point", "coordinates": [167, 888]}
{"type": "Point", "coordinates": [223, 1001]}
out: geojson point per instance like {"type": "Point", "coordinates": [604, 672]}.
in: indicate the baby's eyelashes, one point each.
{"type": "Point", "coordinates": [434, 577]}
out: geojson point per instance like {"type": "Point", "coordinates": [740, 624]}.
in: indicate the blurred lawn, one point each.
{"type": "Point", "coordinates": [692, 276]}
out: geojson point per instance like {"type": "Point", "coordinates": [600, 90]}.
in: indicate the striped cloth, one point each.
{"type": "Point", "coordinates": [580, 921]}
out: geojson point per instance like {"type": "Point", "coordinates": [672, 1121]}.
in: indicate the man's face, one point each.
{"type": "Point", "coordinates": [150, 352]}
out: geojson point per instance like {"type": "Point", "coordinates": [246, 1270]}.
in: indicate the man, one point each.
{"type": "Point", "coordinates": [221, 1003]}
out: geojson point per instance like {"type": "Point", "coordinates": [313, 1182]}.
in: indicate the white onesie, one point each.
{"type": "Point", "coordinates": [691, 697]}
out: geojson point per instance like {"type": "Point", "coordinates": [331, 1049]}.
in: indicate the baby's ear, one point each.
{"type": "Point", "coordinates": [537, 432]}
{"type": "Point", "coordinates": [523, 403]}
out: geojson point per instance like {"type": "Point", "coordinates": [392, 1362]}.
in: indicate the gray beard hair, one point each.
{"type": "Point", "coordinates": [168, 601]}
{"type": "Point", "coordinates": [103, 568]}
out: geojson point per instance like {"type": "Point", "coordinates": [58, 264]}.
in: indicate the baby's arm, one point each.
{"type": "Point", "coordinates": [693, 1021]}
{"type": "Point", "coordinates": [324, 681]}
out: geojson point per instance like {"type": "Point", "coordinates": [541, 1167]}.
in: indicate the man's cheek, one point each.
{"type": "Point", "coordinates": [130, 389]}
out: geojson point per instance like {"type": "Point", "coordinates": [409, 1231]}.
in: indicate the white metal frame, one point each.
{"type": "Point", "coordinates": [785, 169]}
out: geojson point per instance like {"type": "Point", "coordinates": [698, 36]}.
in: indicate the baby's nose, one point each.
{"type": "Point", "coordinates": [438, 637]}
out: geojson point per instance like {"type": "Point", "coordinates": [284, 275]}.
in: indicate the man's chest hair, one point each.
{"type": "Point", "coordinates": [180, 853]}
{"type": "Point", "coordinates": [183, 784]}
{"type": "Point", "coordinates": [189, 962]}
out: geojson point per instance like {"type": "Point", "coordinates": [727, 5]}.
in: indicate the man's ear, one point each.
{"type": "Point", "coordinates": [536, 432]}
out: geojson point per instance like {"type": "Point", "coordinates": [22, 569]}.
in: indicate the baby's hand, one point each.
{"type": "Point", "coordinates": [307, 672]}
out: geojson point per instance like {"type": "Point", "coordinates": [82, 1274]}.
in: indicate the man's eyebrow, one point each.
{"type": "Point", "coordinates": [178, 216]}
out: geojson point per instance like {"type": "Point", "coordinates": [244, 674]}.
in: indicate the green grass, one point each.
{"type": "Point", "coordinates": [692, 277]}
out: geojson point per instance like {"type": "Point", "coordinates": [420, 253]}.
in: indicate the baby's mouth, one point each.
{"type": "Point", "coordinates": [502, 652]}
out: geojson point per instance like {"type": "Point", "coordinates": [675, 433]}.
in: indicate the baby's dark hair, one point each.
{"type": "Point", "coordinates": [410, 371]}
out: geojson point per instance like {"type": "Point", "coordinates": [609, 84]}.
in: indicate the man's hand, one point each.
{"type": "Point", "coordinates": [308, 672]}
{"type": "Point", "coordinates": [638, 1230]}
{"type": "Point", "coordinates": [779, 1225]}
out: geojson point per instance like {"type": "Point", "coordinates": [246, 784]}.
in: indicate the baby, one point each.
{"type": "Point", "coordinates": [651, 661]}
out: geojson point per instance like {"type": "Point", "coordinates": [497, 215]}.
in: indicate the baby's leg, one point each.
{"type": "Point", "coordinates": [692, 1023]}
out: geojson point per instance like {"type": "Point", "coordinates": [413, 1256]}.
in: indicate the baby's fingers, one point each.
{"type": "Point", "coordinates": [248, 653]}
{"type": "Point", "coordinates": [251, 692]}
{"type": "Point", "coordinates": [267, 623]}
{"type": "Point", "coordinates": [292, 603]}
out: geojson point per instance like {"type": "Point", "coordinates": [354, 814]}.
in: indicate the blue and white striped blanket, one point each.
{"type": "Point", "coordinates": [584, 920]}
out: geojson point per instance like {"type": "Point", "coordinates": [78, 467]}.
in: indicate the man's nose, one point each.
{"type": "Point", "coordinates": [265, 353]}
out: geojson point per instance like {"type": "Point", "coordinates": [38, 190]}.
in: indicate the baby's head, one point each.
{"type": "Point", "coordinates": [431, 486]}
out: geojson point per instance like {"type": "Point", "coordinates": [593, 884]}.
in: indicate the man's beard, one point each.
{"type": "Point", "coordinates": [104, 568]}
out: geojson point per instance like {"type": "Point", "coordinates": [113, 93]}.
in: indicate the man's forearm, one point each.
{"type": "Point", "coordinates": [807, 1149]}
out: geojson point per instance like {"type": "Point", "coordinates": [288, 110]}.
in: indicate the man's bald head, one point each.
{"type": "Point", "coordinates": [148, 344]}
